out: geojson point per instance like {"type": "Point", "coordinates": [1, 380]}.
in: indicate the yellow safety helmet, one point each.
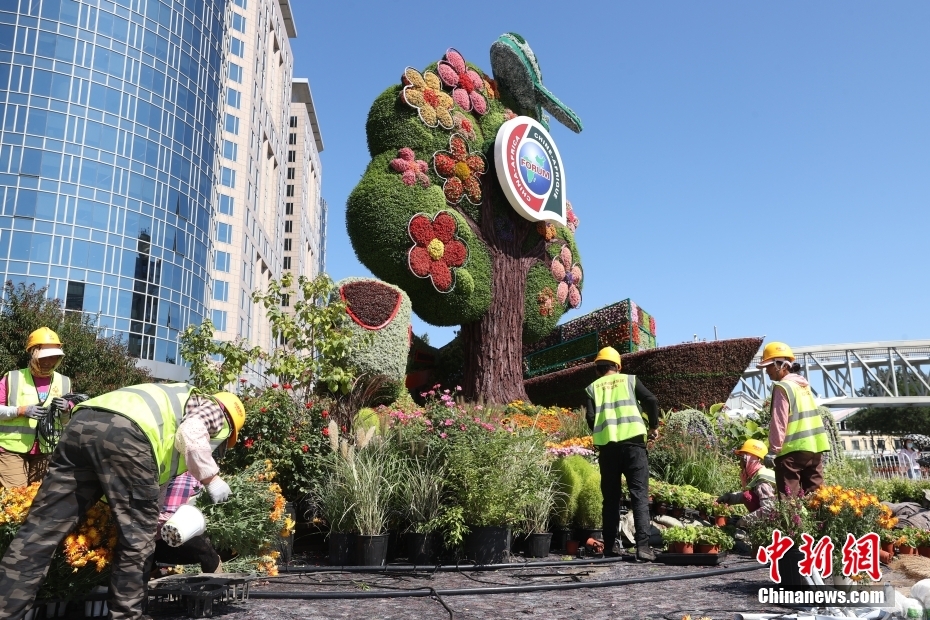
{"type": "Point", "coordinates": [773, 352]}
{"type": "Point", "coordinates": [608, 354]}
{"type": "Point", "coordinates": [43, 335]}
{"type": "Point", "coordinates": [236, 411]}
{"type": "Point", "coordinates": [754, 447]}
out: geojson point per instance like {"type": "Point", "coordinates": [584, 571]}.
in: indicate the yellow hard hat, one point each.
{"type": "Point", "coordinates": [753, 447]}
{"type": "Point", "coordinates": [608, 354]}
{"type": "Point", "coordinates": [43, 335]}
{"type": "Point", "coordinates": [773, 352]}
{"type": "Point", "coordinates": [236, 411]}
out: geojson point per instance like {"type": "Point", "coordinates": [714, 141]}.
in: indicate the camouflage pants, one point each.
{"type": "Point", "coordinates": [99, 454]}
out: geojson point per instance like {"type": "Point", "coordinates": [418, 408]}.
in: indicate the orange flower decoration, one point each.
{"type": "Point", "coordinates": [461, 170]}
{"type": "Point", "coordinates": [424, 92]}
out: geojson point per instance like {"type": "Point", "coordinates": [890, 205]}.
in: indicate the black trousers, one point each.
{"type": "Point", "coordinates": [197, 550]}
{"type": "Point", "coordinates": [627, 459]}
{"type": "Point", "coordinates": [99, 454]}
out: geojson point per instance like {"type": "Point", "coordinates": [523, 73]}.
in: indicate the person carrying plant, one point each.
{"type": "Point", "coordinates": [615, 416]}
{"type": "Point", "coordinates": [797, 437]}
{"type": "Point", "coordinates": [24, 398]}
{"type": "Point", "coordinates": [758, 481]}
{"type": "Point", "coordinates": [124, 445]}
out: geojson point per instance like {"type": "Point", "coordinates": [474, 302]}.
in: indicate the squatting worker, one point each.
{"type": "Point", "coordinates": [24, 397]}
{"type": "Point", "coordinates": [797, 438]}
{"type": "Point", "coordinates": [758, 481]}
{"type": "Point", "coordinates": [197, 550]}
{"type": "Point", "coordinates": [616, 421]}
{"type": "Point", "coordinates": [123, 444]}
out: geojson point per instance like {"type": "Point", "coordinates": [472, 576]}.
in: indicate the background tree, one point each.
{"type": "Point", "coordinates": [214, 365]}
{"type": "Point", "coordinates": [95, 365]}
{"type": "Point", "coordinates": [892, 420]}
{"type": "Point", "coordinates": [429, 214]}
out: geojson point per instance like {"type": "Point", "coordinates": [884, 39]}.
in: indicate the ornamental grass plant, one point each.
{"type": "Point", "coordinates": [421, 484]}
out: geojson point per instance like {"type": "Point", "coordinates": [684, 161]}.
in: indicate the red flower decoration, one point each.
{"type": "Point", "coordinates": [264, 409]}
{"type": "Point", "coordinates": [286, 386]}
{"type": "Point", "coordinates": [274, 385]}
{"type": "Point", "coordinates": [436, 249]}
{"type": "Point", "coordinates": [325, 413]}
{"type": "Point", "coordinates": [466, 84]}
{"type": "Point", "coordinates": [305, 448]}
{"type": "Point", "coordinates": [249, 443]}
{"type": "Point", "coordinates": [325, 432]}
{"type": "Point", "coordinates": [461, 170]}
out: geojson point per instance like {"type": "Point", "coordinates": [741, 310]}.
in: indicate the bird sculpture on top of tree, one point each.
{"type": "Point", "coordinates": [431, 216]}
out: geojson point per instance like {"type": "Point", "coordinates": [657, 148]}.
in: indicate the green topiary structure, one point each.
{"type": "Point", "coordinates": [430, 215]}
{"type": "Point", "coordinates": [382, 311]}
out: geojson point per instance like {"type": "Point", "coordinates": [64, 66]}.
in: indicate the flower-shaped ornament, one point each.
{"type": "Point", "coordinates": [412, 169]}
{"type": "Point", "coordinates": [461, 170]}
{"type": "Point", "coordinates": [568, 275]}
{"type": "Point", "coordinates": [424, 92]}
{"type": "Point", "coordinates": [467, 86]}
{"type": "Point", "coordinates": [436, 251]}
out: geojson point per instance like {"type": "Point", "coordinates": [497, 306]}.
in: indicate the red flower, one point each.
{"type": "Point", "coordinates": [305, 448]}
{"type": "Point", "coordinates": [286, 386]}
{"type": "Point", "coordinates": [309, 405]}
{"type": "Point", "coordinates": [264, 410]}
{"type": "Point", "coordinates": [325, 432]}
{"type": "Point", "coordinates": [436, 250]}
{"type": "Point", "coordinates": [343, 428]}
{"type": "Point", "coordinates": [325, 414]}
{"type": "Point", "coordinates": [274, 385]}
{"type": "Point", "coordinates": [461, 170]}
{"type": "Point", "coordinates": [466, 83]}
{"type": "Point", "coordinates": [243, 380]}
{"type": "Point", "coordinates": [249, 443]}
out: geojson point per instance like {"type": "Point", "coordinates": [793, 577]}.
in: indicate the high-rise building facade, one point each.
{"type": "Point", "coordinates": [143, 148]}
{"type": "Point", "coordinates": [109, 114]}
{"type": "Point", "coordinates": [268, 197]}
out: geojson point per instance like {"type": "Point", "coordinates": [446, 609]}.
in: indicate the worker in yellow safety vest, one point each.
{"type": "Point", "coordinates": [25, 396]}
{"type": "Point", "coordinates": [797, 437]}
{"type": "Point", "coordinates": [122, 445]}
{"type": "Point", "coordinates": [615, 417]}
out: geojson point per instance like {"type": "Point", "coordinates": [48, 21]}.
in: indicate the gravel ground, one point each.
{"type": "Point", "coordinates": [716, 596]}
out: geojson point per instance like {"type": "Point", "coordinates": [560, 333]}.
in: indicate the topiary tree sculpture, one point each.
{"type": "Point", "coordinates": [431, 216]}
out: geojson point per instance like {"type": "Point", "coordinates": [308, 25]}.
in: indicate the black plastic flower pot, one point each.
{"type": "Point", "coordinates": [538, 545]}
{"type": "Point", "coordinates": [789, 570]}
{"type": "Point", "coordinates": [421, 549]}
{"type": "Point", "coordinates": [371, 550]}
{"type": "Point", "coordinates": [488, 545]}
{"type": "Point", "coordinates": [560, 536]}
{"type": "Point", "coordinates": [341, 549]}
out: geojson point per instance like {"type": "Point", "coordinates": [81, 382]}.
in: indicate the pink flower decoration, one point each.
{"type": "Point", "coordinates": [466, 84]}
{"type": "Point", "coordinates": [411, 168]}
{"type": "Point", "coordinates": [570, 217]}
{"type": "Point", "coordinates": [569, 276]}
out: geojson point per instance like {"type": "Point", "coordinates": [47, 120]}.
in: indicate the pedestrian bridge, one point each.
{"type": "Point", "coordinates": [895, 373]}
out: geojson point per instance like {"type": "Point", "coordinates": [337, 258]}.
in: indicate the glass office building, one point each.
{"type": "Point", "coordinates": [108, 114]}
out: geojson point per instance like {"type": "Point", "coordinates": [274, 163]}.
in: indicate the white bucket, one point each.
{"type": "Point", "coordinates": [185, 524]}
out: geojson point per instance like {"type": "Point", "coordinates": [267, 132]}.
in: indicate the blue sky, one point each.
{"type": "Point", "coordinates": [761, 167]}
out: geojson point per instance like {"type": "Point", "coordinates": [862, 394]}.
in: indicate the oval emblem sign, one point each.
{"type": "Point", "coordinates": [530, 170]}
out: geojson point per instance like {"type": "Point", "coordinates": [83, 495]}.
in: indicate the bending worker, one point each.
{"type": "Point", "coordinates": [197, 550]}
{"type": "Point", "coordinates": [797, 438]}
{"type": "Point", "coordinates": [24, 397]}
{"type": "Point", "coordinates": [758, 481]}
{"type": "Point", "coordinates": [123, 444]}
{"type": "Point", "coordinates": [616, 421]}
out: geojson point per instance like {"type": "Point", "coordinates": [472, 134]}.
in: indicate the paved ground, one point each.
{"type": "Point", "coordinates": [716, 596]}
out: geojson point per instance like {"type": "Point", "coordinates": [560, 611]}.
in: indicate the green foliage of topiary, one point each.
{"type": "Point", "coordinates": [392, 125]}
{"type": "Point", "coordinates": [590, 501]}
{"type": "Point", "coordinates": [385, 351]}
{"type": "Point", "coordinates": [580, 502]}
{"type": "Point", "coordinates": [378, 212]}
{"type": "Point", "coordinates": [570, 480]}
{"type": "Point", "coordinates": [536, 325]}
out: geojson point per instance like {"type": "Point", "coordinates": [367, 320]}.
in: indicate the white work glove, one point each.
{"type": "Point", "coordinates": [218, 490]}
{"type": "Point", "coordinates": [34, 412]}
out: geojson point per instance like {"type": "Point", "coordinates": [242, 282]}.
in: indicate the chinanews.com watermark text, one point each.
{"type": "Point", "coordinates": [827, 596]}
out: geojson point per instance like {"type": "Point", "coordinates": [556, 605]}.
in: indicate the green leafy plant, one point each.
{"type": "Point", "coordinates": [714, 536]}
{"type": "Point", "coordinates": [590, 502]}
{"type": "Point", "coordinates": [680, 534]}
{"type": "Point", "coordinates": [420, 491]}
{"type": "Point", "coordinates": [569, 478]}
{"type": "Point", "coordinates": [214, 364]}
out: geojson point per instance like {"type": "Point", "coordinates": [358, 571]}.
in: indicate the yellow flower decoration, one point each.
{"type": "Point", "coordinates": [424, 92]}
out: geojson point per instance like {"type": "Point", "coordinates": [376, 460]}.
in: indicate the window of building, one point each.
{"type": "Point", "coordinates": [243, 4]}
{"type": "Point", "coordinates": [289, 226]}
{"type": "Point", "coordinates": [292, 139]}
{"type": "Point", "coordinates": [287, 245]}
{"type": "Point", "coordinates": [75, 297]}
{"type": "Point", "coordinates": [237, 47]}
{"type": "Point", "coordinates": [288, 208]}
{"type": "Point", "coordinates": [232, 124]}
{"type": "Point", "coordinates": [227, 177]}
{"type": "Point", "coordinates": [238, 22]}
{"type": "Point", "coordinates": [291, 157]}
{"type": "Point", "coordinates": [291, 174]}
{"type": "Point", "coordinates": [235, 73]}
{"type": "Point", "coordinates": [855, 444]}
{"type": "Point", "coordinates": [219, 320]}
{"type": "Point", "coordinates": [223, 232]}
{"type": "Point", "coordinates": [233, 98]}
{"type": "Point", "coordinates": [221, 261]}
{"type": "Point", "coordinates": [285, 298]}
{"type": "Point", "coordinates": [230, 150]}
{"type": "Point", "coordinates": [220, 290]}
{"type": "Point", "coordinates": [880, 444]}
{"type": "Point", "coordinates": [287, 262]}
{"type": "Point", "coordinates": [290, 191]}
{"type": "Point", "coordinates": [227, 205]}
{"type": "Point", "coordinates": [293, 121]}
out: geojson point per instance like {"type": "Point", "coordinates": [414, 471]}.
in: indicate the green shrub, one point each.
{"type": "Point", "coordinates": [570, 480]}
{"type": "Point", "coordinates": [589, 514]}
{"type": "Point", "coordinates": [680, 534]}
